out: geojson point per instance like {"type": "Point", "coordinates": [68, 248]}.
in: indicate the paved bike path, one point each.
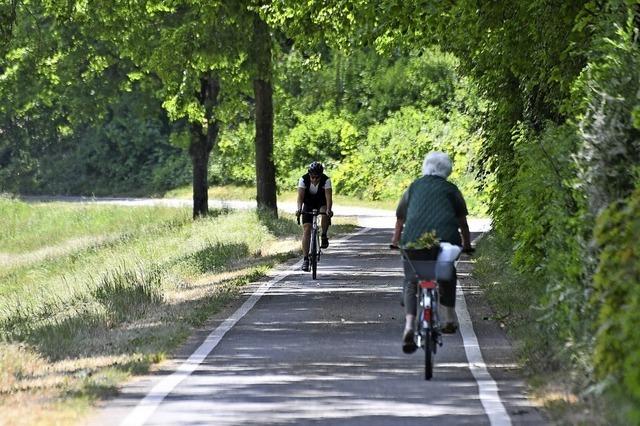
{"type": "Point", "coordinates": [328, 352]}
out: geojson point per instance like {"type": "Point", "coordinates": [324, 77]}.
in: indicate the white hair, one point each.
{"type": "Point", "coordinates": [437, 163]}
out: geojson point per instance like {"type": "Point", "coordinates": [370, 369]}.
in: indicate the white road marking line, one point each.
{"type": "Point", "coordinates": [158, 393]}
{"type": "Point", "coordinates": [487, 387]}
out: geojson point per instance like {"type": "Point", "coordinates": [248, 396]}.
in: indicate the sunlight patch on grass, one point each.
{"type": "Point", "coordinates": [227, 192]}
{"type": "Point", "coordinates": [32, 226]}
{"type": "Point", "coordinates": [10, 260]}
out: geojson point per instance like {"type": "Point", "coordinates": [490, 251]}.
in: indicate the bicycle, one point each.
{"type": "Point", "coordinates": [315, 250]}
{"type": "Point", "coordinates": [426, 272]}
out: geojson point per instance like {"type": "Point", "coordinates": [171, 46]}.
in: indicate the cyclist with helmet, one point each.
{"type": "Point", "coordinates": [314, 192]}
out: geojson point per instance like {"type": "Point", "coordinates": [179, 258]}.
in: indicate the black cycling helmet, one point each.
{"type": "Point", "coordinates": [315, 168]}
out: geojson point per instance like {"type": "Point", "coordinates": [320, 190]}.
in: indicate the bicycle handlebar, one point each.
{"type": "Point", "coordinates": [312, 213]}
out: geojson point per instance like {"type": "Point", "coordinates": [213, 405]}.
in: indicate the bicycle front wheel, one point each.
{"type": "Point", "coordinates": [313, 254]}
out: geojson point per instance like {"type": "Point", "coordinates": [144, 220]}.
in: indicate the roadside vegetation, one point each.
{"type": "Point", "coordinates": [549, 362]}
{"type": "Point", "coordinates": [93, 294]}
{"type": "Point", "coordinates": [536, 102]}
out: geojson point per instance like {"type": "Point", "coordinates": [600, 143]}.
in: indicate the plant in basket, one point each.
{"type": "Point", "coordinates": [425, 247]}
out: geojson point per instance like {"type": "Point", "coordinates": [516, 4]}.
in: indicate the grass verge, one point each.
{"type": "Point", "coordinates": [78, 322]}
{"type": "Point", "coordinates": [246, 193]}
{"type": "Point", "coordinates": [557, 382]}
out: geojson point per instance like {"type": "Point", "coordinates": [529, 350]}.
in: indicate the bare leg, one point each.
{"type": "Point", "coordinates": [324, 220]}
{"type": "Point", "coordinates": [306, 237]}
{"type": "Point", "coordinates": [408, 324]}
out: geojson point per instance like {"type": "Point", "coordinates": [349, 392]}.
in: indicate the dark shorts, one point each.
{"type": "Point", "coordinates": [307, 218]}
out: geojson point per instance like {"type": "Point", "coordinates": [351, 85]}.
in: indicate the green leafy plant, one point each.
{"type": "Point", "coordinates": [617, 300]}
{"type": "Point", "coordinates": [427, 240]}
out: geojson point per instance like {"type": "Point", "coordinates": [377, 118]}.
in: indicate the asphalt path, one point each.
{"type": "Point", "coordinates": [298, 351]}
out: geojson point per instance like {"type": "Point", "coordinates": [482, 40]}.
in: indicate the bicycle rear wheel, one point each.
{"type": "Point", "coordinates": [428, 355]}
{"type": "Point", "coordinates": [425, 304]}
{"type": "Point", "coordinates": [313, 254]}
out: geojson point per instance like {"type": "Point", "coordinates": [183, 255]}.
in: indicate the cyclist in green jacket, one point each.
{"type": "Point", "coordinates": [432, 203]}
{"type": "Point", "coordinates": [314, 192]}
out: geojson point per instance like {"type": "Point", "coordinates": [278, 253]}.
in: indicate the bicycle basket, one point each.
{"type": "Point", "coordinates": [428, 269]}
{"type": "Point", "coordinates": [423, 254]}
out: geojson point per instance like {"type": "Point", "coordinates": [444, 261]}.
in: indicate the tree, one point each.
{"type": "Point", "coordinates": [195, 48]}
{"type": "Point", "coordinates": [199, 50]}
{"type": "Point", "coordinates": [263, 92]}
{"type": "Point", "coordinates": [202, 142]}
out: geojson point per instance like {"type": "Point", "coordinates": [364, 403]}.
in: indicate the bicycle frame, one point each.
{"type": "Point", "coordinates": [314, 242]}
{"type": "Point", "coordinates": [427, 334]}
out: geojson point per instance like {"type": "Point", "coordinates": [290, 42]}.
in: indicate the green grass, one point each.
{"type": "Point", "coordinates": [78, 320]}
{"type": "Point", "coordinates": [227, 192]}
{"type": "Point", "coordinates": [248, 193]}
{"type": "Point", "coordinates": [118, 279]}
{"type": "Point", "coordinates": [557, 382]}
{"type": "Point", "coordinates": [27, 227]}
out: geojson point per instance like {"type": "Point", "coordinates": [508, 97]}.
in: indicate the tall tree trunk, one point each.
{"type": "Point", "coordinates": [203, 139]}
{"type": "Point", "coordinates": [200, 162]}
{"type": "Point", "coordinates": [263, 92]}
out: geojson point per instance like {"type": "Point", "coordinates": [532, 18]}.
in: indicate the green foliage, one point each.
{"type": "Point", "coordinates": [611, 139]}
{"type": "Point", "coordinates": [617, 299]}
{"type": "Point", "coordinates": [234, 159]}
{"type": "Point", "coordinates": [323, 136]}
{"type": "Point", "coordinates": [75, 118]}
{"type": "Point", "coordinates": [369, 86]}
{"type": "Point", "coordinates": [391, 156]}
{"type": "Point", "coordinates": [371, 118]}
{"type": "Point", "coordinates": [515, 298]}
{"type": "Point", "coordinates": [541, 213]}
{"type": "Point", "coordinates": [425, 241]}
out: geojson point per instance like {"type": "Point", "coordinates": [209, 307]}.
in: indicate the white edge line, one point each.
{"type": "Point", "coordinates": [487, 387]}
{"type": "Point", "coordinates": [158, 393]}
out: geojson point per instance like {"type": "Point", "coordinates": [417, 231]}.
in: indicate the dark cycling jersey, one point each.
{"type": "Point", "coordinates": [317, 200]}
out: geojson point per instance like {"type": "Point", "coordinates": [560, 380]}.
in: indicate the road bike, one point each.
{"type": "Point", "coordinates": [315, 250]}
{"type": "Point", "coordinates": [426, 272]}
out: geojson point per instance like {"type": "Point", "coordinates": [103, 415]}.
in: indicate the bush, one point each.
{"type": "Point", "coordinates": [617, 298]}
{"type": "Point", "coordinates": [323, 136]}
{"type": "Point", "coordinates": [391, 156]}
{"type": "Point", "coordinates": [233, 160]}
{"type": "Point", "coordinates": [540, 210]}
